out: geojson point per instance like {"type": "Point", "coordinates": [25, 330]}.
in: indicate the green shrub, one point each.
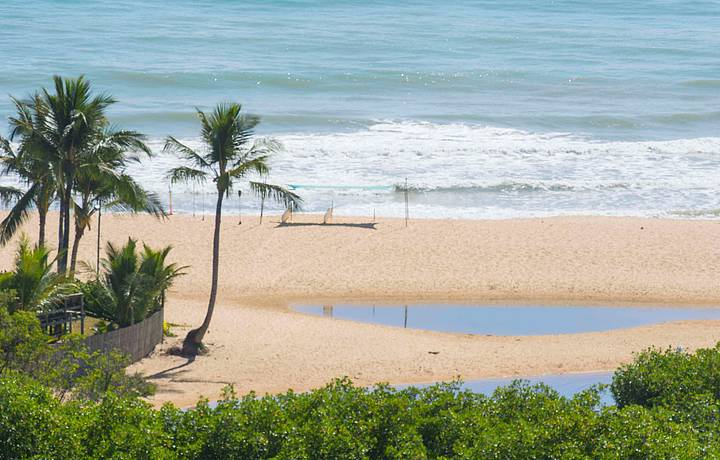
{"type": "Point", "coordinates": [670, 411]}
{"type": "Point", "coordinates": [668, 377]}
{"type": "Point", "coordinates": [32, 284]}
{"type": "Point", "coordinates": [33, 423]}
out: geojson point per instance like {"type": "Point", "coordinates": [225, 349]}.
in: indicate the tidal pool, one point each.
{"type": "Point", "coordinates": [510, 319]}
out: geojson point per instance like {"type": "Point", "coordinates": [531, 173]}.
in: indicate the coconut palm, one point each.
{"type": "Point", "coordinates": [229, 154]}
{"type": "Point", "coordinates": [103, 182]}
{"type": "Point", "coordinates": [32, 282]}
{"type": "Point", "coordinates": [71, 126]}
{"type": "Point", "coordinates": [30, 163]}
{"type": "Point", "coordinates": [133, 283]}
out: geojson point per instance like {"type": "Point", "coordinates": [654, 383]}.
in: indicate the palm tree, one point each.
{"type": "Point", "coordinates": [229, 154]}
{"type": "Point", "coordinates": [71, 125]}
{"type": "Point", "coordinates": [32, 282]}
{"type": "Point", "coordinates": [31, 164]}
{"type": "Point", "coordinates": [133, 283]}
{"type": "Point", "coordinates": [103, 181]}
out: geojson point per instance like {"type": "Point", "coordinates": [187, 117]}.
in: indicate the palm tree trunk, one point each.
{"type": "Point", "coordinates": [61, 216]}
{"type": "Point", "coordinates": [79, 232]}
{"type": "Point", "coordinates": [42, 215]}
{"type": "Point", "coordinates": [194, 338]}
{"type": "Point", "coordinates": [65, 242]}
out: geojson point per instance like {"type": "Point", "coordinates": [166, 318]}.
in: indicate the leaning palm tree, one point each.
{"type": "Point", "coordinates": [71, 125]}
{"type": "Point", "coordinates": [229, 155]}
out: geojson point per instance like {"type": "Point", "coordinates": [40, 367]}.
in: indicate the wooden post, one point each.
{"type": "Point", "coordinates": [407, 209]}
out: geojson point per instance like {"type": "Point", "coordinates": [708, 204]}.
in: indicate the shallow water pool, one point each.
{"type": "Point", "coordinates": [511, 319]}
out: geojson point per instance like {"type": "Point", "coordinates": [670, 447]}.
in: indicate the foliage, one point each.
{"type": "Point", "coordinates": [68, 403]}
{"type": "Point", "coordinates": [167, 329]}
{"type": "Point", "coordinates": [31, 163]}
{"type": "Point", "coordinates": [32, 282]}
{"type": "Point", "coordinates": [132, 284]}
{"type": "Point", "coordinates": [65, 140]}
{"type": "Point", "coordinates": [103, 180]}
{"type": "Point", "coordinates": [668, 377]}
{"type": "Point", "coordinates": [229, 155]}
{"type": "Point", "coordinates": [67, 367]}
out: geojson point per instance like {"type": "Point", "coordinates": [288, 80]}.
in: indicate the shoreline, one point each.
{"type": "Point", "coordinates": [258, 343]}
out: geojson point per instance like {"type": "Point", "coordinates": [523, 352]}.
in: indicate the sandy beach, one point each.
{"type": "Point", "coordinates": [257, 343]}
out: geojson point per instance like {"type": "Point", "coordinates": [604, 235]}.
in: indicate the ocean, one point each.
{"type": "Point", "coordinates": [489, 109]}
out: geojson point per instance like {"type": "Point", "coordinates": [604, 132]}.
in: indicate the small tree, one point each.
{"type": "Point", "coordinates": [33, 284]}
{"type": "Point", "coordinates": [132, 284]}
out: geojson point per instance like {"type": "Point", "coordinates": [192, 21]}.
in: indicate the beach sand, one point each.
{"type": "Point", "coordinates": [257, 343]}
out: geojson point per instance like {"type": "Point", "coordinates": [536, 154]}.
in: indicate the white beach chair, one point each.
{"type": "Point", "coordinates": [287, 215]}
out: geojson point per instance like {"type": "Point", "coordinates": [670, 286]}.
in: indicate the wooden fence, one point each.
{"type": "Point", "coordinates": [137, 341]}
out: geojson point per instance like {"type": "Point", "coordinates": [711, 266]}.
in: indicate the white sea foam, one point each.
{"type": "Point", "coordinates": [458, 170]}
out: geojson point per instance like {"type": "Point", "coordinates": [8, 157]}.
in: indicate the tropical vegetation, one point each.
{"type": "Point", "coordinates": [32, 285]}
{"type": "Point", "coordinates": [132, 284]}
{"type": "Point", "coordinates": [68, 150]}
{"type": "Point", "coordinates": [659, 417]}
{"type": "Point", "coordinates": [229, 154]}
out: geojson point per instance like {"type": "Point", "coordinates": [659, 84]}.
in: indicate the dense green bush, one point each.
{"type": "Point", "coordinates": [67, 366]}
{"type": "Point", "coordinates": [341, 421]}
{"type": "Point", "coordinates": [668, 377]}
{"type": "Point", "coordinates": [668, 408]}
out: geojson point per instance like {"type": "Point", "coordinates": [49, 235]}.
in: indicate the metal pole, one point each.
{"type": "Point", "coordinates": [97, 256]}
{"type": "Point", "coordinates": [405, 323]}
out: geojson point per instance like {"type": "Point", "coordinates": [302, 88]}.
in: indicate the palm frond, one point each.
{"type": "Point", "coordinates": [277, 193]}
{"type": "Point", "coordinates": [176, 147]}
{"type": "Point", "coordinates": [129, 195]}
{"type": "Point", "coordinates": [17, 215]}
{"type": "Point", "coordinates": [257, 165]}
{"type": "Point", "coordinates": [125, 140]}
{"type": "Point", "coordinates": [186, 174]}
{"type": "Point", "coordinates": [9, 194]}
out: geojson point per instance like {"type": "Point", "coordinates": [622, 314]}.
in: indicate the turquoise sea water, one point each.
{"type": "Point", "coordinates": [489, 108]}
